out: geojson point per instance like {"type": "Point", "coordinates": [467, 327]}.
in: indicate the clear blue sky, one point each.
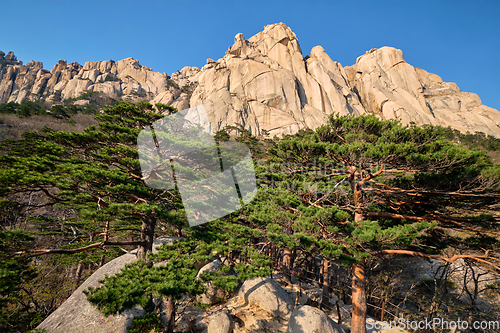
{"type": "Point", "coordinates": [458, 40]}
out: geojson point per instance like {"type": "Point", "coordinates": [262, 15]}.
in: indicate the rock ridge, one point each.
{"type": "Point", "coordinates": [265, 83]}
{"type": "Point", "coordinates": [126, 78]}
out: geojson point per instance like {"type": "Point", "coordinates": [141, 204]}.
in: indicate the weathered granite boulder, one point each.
{"type": "Point", "coordinates": [77, 315]}
{"type": "Point", "coordinates": [213, 294]}
{"type": "Point", "coordinates": [268, 295]}
{"type": "Point", "coordinates": [307, 319]}
{"type": "Point", "coordinates": [220, 322]}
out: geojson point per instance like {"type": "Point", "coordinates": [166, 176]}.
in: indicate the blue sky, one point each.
{"type": "Point", "coordinates": [458, 40]}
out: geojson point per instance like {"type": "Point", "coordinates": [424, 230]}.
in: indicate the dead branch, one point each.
{"type": "Point", "coordinates": [479, 259]}
{"type": "Point", "coordinates": [442, 218]}
{"type": "Point", "coordinates": [36, 253]}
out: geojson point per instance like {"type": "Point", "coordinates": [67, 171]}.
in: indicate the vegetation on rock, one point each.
{"type": "Point", "coordinates": [348, 193]}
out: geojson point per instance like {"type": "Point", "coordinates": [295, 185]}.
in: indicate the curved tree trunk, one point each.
{"type": "Point", "coordinates": [287, 262]}
{"type": "Point", "coordinates": [358, 321]}
{"type": "Point", "coordinates": [325, 300]}
{"type": "Point", "coordinates": [170, 313]}
{"type": "Point", "coordinates": [147, 236]}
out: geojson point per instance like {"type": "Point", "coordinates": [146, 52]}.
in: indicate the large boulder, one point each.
{"type": "Point", "coordinates": [308, 319]}
{"type": "Point", "coordinates": [212, 294]}
{"type": "Point", "coordinates": [268, 295]}
{"type": "Point", "coordinates": [77, 315]}
{"type": "Point", "coordinates": [220, 322]}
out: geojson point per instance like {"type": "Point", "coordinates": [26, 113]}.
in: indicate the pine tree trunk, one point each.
{"type": "Point", "coordinates": [147, 236]}
{"type": "Point", "coordinates": [358, 197]}
{"type": "Point", "coordinates": [358, 321]}
{"type": "Point", "coordinates": [287, 262]}
{"type": "Point", "coordinates": [325, 301]}
{"type": "Point", "coordinates": [170, 313]}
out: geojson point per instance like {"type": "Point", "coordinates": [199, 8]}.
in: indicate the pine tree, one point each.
{"type": "Point", "coordinates": [397, 183]}
{"type": "Point", "coordinates": [165, 278]}
{"type": "Point", "coordinates": [96, 173]}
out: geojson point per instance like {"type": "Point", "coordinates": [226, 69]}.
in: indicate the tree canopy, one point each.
{"type": "Point", "coordinates": [352, 190]}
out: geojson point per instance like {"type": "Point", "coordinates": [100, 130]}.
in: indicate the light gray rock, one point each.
{"type": "Point", "coordinates": [77, 315]}
{"type": "Point", "coordinates": [210, 267]}
{"type": "Point", "coordinates": [220, 322]}
{"type": "Point", "coordinates": [307, 319]}
{"type": "Point", "coordinates": [212, 294]}
{"type": "Point", "coordinates": [163, 240]}
{"type": "Point", "coordinates": [268, 295]}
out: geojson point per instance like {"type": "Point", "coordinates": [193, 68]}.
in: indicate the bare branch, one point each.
{"type": "Point", "coordinates": [36, 253]}
{"type": "Point", "coordinates": [479, 259]}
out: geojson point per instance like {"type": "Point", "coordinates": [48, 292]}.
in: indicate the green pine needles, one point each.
{"type": "Point", "coordinates": [353, 189]}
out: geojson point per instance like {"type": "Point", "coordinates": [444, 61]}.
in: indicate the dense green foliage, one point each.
{"type": "Point", "coordinates": [62, 111]}
{"type": "Point", "coordinates": [94, 178]}
{"type": "Point", "coordinates": [14, 274]}
{"type": "Point", "coordinates": [306, 191]}
{"type": "Point", "coordinates": [352, 187]}
{"type": "Point", "coordinates": [172, 271]}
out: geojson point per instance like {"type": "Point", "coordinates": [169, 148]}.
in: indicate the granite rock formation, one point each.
{"type": "Point", "coordinates": [126, 78]}
{"type": "Point", "coordinates": [393, 89]}
{"type": "Point", "coordinates": [265, 83]}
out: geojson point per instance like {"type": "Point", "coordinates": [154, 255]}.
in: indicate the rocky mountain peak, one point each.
{"type": "Point", "coordinates": [265, 83]}
{"type": "Point", "coordinates": [126, 78]}
{"type": "Point", "coordinates": [391, 88]}
{"type": "Point", "coordinates": [9, 59]}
